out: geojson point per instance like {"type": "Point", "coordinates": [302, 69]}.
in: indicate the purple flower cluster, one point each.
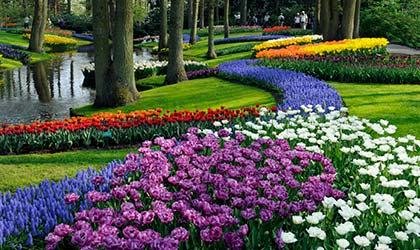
{"type": "Point", "coordinates": [214, 187]}
{"type": "Point", "coordinates": [202, 73]}
{"type": "Point", "coordinates": [34, 211]}
{"type": "Point", "coordinates": [186, 38]}
{"type": "Point", "coordinates": [298, 89]}
{"type": "Point", "coordinates": [248, 39]}
{"type": "Point", "coordinates": [83, 36]}
{"type": "Point", "coordinates": [11, 53]}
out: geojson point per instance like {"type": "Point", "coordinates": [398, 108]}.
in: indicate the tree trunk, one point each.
{"type": "Point", "coordinates": [176, 72]}
{"type": "Point", "coordinates": [244, 11]}
{"type": "Point", "coordinates": [69, 7]}
{"type": "Point", "coordinates": [334, 22]}
{"type": "Point", "coordinates": [25, 7]}
{"type": "Point", "coordinates": [211, 53]}
{"type": "Point", "coordinates": [193, 34]}
{"type": "Point", "coordinates": [103, 74]}
{"type": "Point", "coordinates": [216, 13]}
{"type": "Point", "coordinates": [347, 27]}
{"type": "Point", "coordinates": [38, 26]}
{"type": "Point", "coordinates": [357, 19]}
{"type": "Point", "coordinates": [190, 14]}
{"type": "Point", "coordinates": [317, 20]}
{"type": "Point", "coordinates": [226, 19]}
{"type": "Point", "coordinates": [89, 7]}
{"type": "Point", "coordinates": [41, 82]}
{"type": "Point", "coordinates": [163, 32]}
{"type": "Point", "coordinates": [125, 88]}
{"type": "Point", "coordinates": [325, 18]}
{"type": "Point", "coordinates": [202, 14]}
{"type": "Point", "coordinates": [111, 7]}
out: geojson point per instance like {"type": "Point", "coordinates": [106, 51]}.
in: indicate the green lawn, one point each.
{"type": "Point", "coordinates": [23, 170]}
{"type": "Point", "coordinates": [195, 94]}
{"type": "Point", "coordinates": [400, 104]}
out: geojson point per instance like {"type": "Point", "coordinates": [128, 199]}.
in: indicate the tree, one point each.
{"type": "Point", "coordinates": [38, 26]}
{"type": "Point", "coordinates": [357, 19]}
{"type": "Point", "coordinates": [329, 19]}
{"type": "Point", "coordinates": [176, 72]}
{"type": "Point", "coordinates": [114, 75]}
{"type": "Point", "coordinates": [244, 11]}
{"type": "Point", "coordinates": [69, 7]}
{"type": "Point", "coordinates": [163, 30]}
{"type": "Point", "coordinates": [347, 27]}
{"type": "Point", "coordinates": [202, 14]}
{"type": "Point", "coordinates": [193, 33]}
{"type": "Point", "coordinates": [211, 53]}
{"type": "Point", "coordinates": [226, 19]}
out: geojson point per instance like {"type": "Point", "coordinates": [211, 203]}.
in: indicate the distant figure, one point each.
{"type": "Point", "coordinates": [237, 18]}
{"type": "Point", "coordinates": [303, 20]}
{"type": "Point", "coordinates": [49, 23]}
{"type": "Point", "coordinates": [26, 22]}
{"type": "Point", "coordinates": [281, 19]}
{"type": "Point", "coordinates": [267, 20]}
{"type": "Point", "coordinates": [297, 20]}
{"type": "Point", "coordinates": [254, 20]}
{"type": "Point", "coordinates": [61, 23]}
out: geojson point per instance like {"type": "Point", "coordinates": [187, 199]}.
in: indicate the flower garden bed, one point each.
{"type": "Point", "coordinates": [290, 32]}
{"type": "Point", "coordinates": [364, 69]}
{"type": "Point", "coordinates": [57, 43]}
{"type": "Point", "coordinates": [14, 54]}
{"type": "Point", "coordinates": [296, 89]}
{"type": "Point", "coordinates": [145, 69]}
{"type": "Point", "coordinates": [247, 39]}
{"type": "Point", "coordinates": [359, 46]}
{"type": "Point", "coordinates": [106, 129]}
{"type": "Point", "coordinates": [279, 176]}
{"type": "Point", "coordinates": [283, 42]}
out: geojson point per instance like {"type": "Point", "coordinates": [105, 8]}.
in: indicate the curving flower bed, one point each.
{"type": "Point", "coordinates": [362, 69]}
{"type": "Point", "coordinates": [297, 88]}
{"type": "Point", "coordinates": [359, 46]}
{"type": "Point", "coordinates": [29, 214]}
{"type": "Point", "coordinates": [108, 129]}
{"type": "Point", "coordinates": [14, 54]}
{"type": "Point", "coordinates": [57, 43]}
{"type": "Point", "coordinates": [283, 42]}
{"type": "Point", "coordinates": [276, 28]}
{"type": "Point", "coordinates": [247, 39]}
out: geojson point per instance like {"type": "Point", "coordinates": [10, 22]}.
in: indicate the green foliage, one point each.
{"type": "Point", "coordinates": [232, 30]}
{"type": "Point", "coordinates": [391, 20]}
{"type": "Point", "coordinates": [78, 23]}
{"type": "Point", "coordinates": [363, 69]}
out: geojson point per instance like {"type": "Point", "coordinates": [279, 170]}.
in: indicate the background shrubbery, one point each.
{"type": "Point", "coordinates": [398, 23]}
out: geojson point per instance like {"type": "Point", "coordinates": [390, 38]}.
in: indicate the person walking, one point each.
{"type": "Point", "coordinates": [297, 21]}
{"type": "Point", "coordinates": [26, 22]}
{"type": "Point", "coordinates": [281, 19]}
{"type": "Point", "coordinates": [303, 20]}
{"type": "Point", "coordinates": [266, 20]}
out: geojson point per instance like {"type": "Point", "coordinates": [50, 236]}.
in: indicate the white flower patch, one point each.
{"type": "Point", "coordinates": [380, 175]}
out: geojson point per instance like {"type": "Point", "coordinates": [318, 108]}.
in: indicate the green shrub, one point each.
{"type": "Point", "coordinates": [78, 23]}
{"type": "Point", "coordinates": [397, 26]}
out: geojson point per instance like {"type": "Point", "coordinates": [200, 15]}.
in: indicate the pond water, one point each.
{"type": "Point", "coordinates": [47, 90]}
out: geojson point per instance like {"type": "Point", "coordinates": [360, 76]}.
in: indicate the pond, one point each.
{"type": "Point", "coordinates": [47, 90]}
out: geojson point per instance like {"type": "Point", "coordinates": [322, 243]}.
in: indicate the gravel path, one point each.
{"type": "Point", "coordinates": [399, 49]}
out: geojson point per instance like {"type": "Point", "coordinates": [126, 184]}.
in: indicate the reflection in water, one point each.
{"type": "Point", "coordinates": [41, 83]}
{"type": "Point", "coordinates": [47, 90]}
